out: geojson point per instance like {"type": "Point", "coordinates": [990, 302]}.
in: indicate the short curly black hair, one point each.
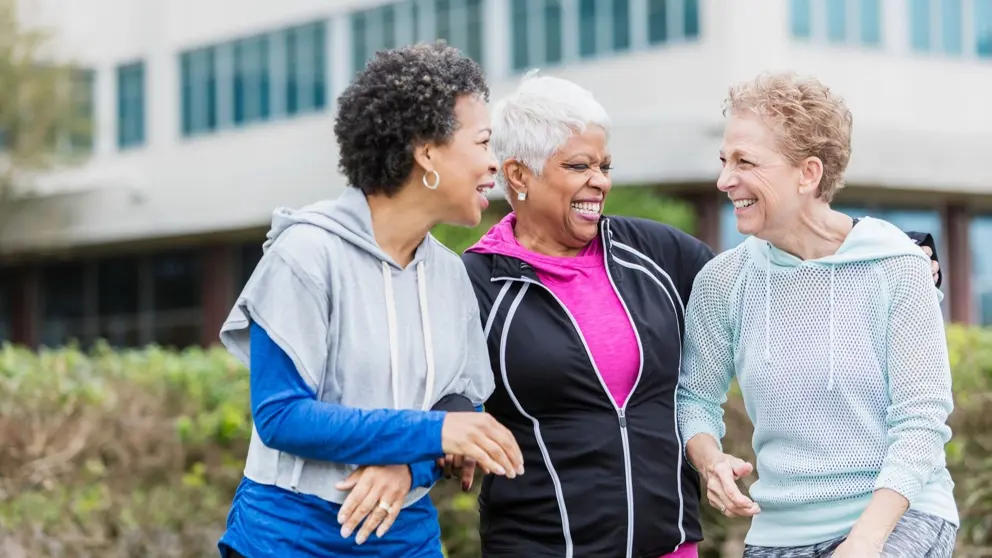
{"type": "Point", "coordinates": [404, 97]}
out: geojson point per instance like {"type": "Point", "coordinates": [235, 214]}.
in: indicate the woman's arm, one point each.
{"type": "Point", "coordinates": [919, 379]}
{"type": "Point", "coordinates": [707, 370]}
{"type": "Point", "coordinates": [289, 418]}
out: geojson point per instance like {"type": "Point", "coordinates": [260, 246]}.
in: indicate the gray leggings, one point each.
{"type": "Point", "coordinates": [917, 535]}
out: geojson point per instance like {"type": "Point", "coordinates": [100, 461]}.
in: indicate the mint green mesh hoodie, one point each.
{"type": "Point", "coordinates": [842, 362]}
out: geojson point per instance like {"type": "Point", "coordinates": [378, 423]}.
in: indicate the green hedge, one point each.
{"type": "Point", "coordinates": [138, 453]}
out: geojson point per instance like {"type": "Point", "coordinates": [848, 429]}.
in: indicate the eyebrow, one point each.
{"type": "Point", "coordinates": [490, 130]}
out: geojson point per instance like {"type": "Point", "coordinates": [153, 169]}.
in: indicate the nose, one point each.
{"type": "Point", "coordinates": [493, 163]}
{"type": "Point", "coordinates": [600, 180]}
{"type": "Point", "coordinates": [727, 180]}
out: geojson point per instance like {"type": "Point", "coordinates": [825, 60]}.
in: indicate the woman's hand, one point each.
{"type": "Point", "coordinates": [857, 548]}
{"type": "Point", "coordinates": [464, 467]}
{"type": "Point", "coordinates": [376, 496]}
{"type": "Point", "coordinates": [480, 437]}
{"type": "Point", "coordinates": [720, 476]}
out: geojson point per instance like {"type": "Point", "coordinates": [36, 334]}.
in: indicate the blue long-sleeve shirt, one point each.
{"type": "Point", "coordinates": [267, 520]}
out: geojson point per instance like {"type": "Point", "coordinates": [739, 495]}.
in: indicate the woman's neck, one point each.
{"type": "Point", "coordinates": [539, 242]}
{"type": "Point", "coordinates": [400, 224]}
{"type": "Point", "coordinates": [816, 233]}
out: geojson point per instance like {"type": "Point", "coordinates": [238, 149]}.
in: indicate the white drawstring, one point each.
{"type": "Point", "coordinates": [394, 359]}
{"type": "Point", "coordinates": [830, 379]}
{"type": "Point", "coordinates": [768, 296]}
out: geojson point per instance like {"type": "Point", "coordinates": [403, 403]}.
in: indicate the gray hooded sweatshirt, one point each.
{"type": "Point", "coordinates": [361, 331]}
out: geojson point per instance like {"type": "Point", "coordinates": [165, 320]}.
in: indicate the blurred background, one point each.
{"type": "Point", "coordinates": [144, 144]}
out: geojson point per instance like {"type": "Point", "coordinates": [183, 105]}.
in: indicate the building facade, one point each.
{"type": "Point", "coordinates": [207, 115]}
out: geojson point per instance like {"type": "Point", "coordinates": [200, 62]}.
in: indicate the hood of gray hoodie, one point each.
{"type": "Point", "coordinates": [362, 331]}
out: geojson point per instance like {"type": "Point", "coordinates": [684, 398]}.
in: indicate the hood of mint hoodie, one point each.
{"type": "Point", "coordinates": [362, 331]}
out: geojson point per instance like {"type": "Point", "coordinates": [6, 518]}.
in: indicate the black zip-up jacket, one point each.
{"type": "Point", "coordinates": [600, 481]}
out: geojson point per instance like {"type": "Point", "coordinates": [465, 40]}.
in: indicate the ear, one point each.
{"type": "Point", "coordinates": [517, 175]}
{"type": "Point", "coordinates": [422, 154]}
{"type": "Point", "coordinates": [810, 174]}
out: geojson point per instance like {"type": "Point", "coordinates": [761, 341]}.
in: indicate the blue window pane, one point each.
{"type": "Point", "coordinates": [871, 22]}
{"type": "Point", "coordinates": [519, 17]}
{"type": "Point", "coordinates": [657, 21]}
{"type": "Point", "coordinates": [474, 48]}
{"type": "Point", "coordinates": [587, 28]}
{"type": "Point", "coordinates": [199, 91]}
{"type": "Point", "coordinates": [919, 25]}
{"type": "Point", "coordinates": [387, 16]}
{"type": "Point", "coordinates": [552, 32]}
{"type": "Point", "coordinates": [980, 236]}
{"type": "Point", "coordinates": [800, 19]}
{"type": "Point", "coordinates": [251, 80]}
{"type": "Point", "coordinates": [305, 69]}
{"type": "Point", "coordinates": [837, 20]}
{"type": "Point", "coordinates": [983, 28]}
{"type": "Point", "coordinates": [130, 105]}
{"type": "Point", "coordinates": [359, 42]}
{"type": "Point", "coordinates": [442, 19]}
{"type": "Point", "coordinates": [691, 18]}
{"type": "Point", "coordinates": [951, 26]}
{"type": "Point", "coordinates": [621, 24]}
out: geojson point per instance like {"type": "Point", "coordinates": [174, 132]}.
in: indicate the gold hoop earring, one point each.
{"type": "Point", "coordinates": [436, 182]}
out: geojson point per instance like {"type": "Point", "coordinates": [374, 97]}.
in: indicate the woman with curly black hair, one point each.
{"type": "Point", "coordinates": [349, 392]}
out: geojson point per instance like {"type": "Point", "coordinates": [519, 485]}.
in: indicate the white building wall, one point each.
{"type": "Point", "coordinates": [921, 122]}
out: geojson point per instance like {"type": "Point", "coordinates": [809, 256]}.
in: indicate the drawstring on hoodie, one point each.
{"type": "Point", "coordinates": [394, 357]}
{"type": "Point", "coordinates": [830, 378]}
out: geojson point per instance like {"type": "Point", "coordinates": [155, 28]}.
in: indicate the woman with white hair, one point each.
{"type": "Point", "coordinates": [583, 318]}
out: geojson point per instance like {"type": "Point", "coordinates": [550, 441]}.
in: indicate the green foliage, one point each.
{"type": "Point", "coordinates": [44, 104]}
{"type": "Point", "coordinates": [138, 453]}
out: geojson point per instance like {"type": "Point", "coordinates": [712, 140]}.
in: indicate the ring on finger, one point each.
{"type": "Point", "coordinates": [385, 507]}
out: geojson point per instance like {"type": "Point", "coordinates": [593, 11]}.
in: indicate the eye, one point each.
{"type": "Point", "coordinates": [578, 167]}
{"type": "Point", "coordinates": [607, 167]}
{"type": "Point", "coordinates": [746, 163]}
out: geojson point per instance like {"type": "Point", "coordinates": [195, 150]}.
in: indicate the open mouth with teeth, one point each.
{"type": "Point", "coordinates": [743, 204]}
{"type": "Point", "coordinates": [483, 191]}
{"type": "Point", "coordinates": [588, 210]}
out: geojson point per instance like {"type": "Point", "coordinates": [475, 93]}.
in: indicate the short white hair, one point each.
{"type": "Point", "coordinates": [533, 122]}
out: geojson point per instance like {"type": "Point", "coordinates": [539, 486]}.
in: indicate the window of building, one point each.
{"type": "Point", "coordinates": [63, 305]}
{"type": "Point", "coordinates": [119, 304]}
{"type": "Point", "coordinates": [537, 33]}
{"type": "Point", "coordinates": [251, 80]}
{"type": "Point", "coordinates": [130, 105]}
{"type": "Point", "coordinates": [6, 310]}
{"type": "Point", "coordinates": [983, 28]}
{"type": "Point", "coordinates": [845, 21]}
{"type": "Point", "coordinates": [980, 234]}
{"type": "Point", "coordinates": [306, 68]}
{"type": "Point", "coordinates": [671, 20]}
{"type": "Point", "coordinates": [176, 287]}
{"type": "Point", "coordinates": [199, 91]}
{"type": "Point", "coordinates": [249, 255]}
{"type": "Point", "coordinates": [951, 27]}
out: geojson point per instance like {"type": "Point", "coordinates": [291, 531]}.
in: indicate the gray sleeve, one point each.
{"type": "Point", "coordinates": [289, 297]}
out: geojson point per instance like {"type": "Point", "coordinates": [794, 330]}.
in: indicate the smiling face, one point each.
{"type": "Point", "coordinates": [561, 213]}
{"type": "Point", "coordinates": [465, 165]}
{"type": "Point", "coordinates": [769, 192]}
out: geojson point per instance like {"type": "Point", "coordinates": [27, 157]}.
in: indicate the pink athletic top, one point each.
{"type": "Point", "coordinates": [584, 288]}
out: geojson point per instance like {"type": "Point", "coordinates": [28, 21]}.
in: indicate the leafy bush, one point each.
{"type": "Point", "coordinates": [138, 453]}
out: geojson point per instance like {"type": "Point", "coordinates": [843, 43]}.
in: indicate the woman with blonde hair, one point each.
{"type": "Point", "coordinates": [832, 327]}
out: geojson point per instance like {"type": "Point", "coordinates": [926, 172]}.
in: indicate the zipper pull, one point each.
{"type": "Point", "coordinates": [623, 419]}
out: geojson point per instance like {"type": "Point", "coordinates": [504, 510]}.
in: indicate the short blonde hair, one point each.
{"type": "Point", "coordinates": [808, 118]}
